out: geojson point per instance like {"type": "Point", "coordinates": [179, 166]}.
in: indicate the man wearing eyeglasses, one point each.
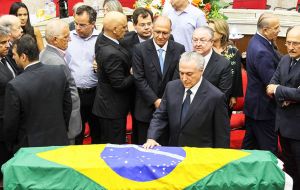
{"type": "Point", "coordinates": [285, 88]}
{"type": "Point", "coordinates": [80, 57]}
{"type": "Point", "coordinates": [155, 63]}
{"type": "Point", "coordinates": [216, 68]}
{"type": "Point", "coordinates": [259, 108]}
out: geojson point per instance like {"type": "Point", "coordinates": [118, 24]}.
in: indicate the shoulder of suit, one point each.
{"type": "Point", "coordinates": [175, 83]}
{"type": "Point", "coordinates": [212, 88]}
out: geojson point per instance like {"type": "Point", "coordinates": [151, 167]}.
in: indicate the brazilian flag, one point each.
{"type": "Point", "coordinates": [114, 167]}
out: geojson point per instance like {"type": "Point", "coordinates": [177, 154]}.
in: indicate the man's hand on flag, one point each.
{"type": "Point", "coordinates": [151, 143]}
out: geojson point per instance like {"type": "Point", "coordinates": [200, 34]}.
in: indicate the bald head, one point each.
{"type": "Point", "coordinates": [162, 21]}
{"type": "Point", "coordinates": [293, 42]}
{"type": "Point", "coordinates": [115, 24]}
{"type": "Point", "coordinates": [14, 24]}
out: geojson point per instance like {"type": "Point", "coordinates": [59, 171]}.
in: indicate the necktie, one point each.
{"type": "Point", "coordinates": [186, 105]}
{"type": "Point", "coordinates": [293, 63]}
{"type": "Point", "coordinates": [7, 67]}
{"type": "Point", "coordinates": [161, 60]}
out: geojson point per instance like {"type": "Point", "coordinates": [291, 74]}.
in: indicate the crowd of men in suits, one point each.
{"type": "Point", "coordinates": [176, 98]}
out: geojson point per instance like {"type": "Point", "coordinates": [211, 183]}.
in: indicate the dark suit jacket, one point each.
{"type": "Point", "coordinates": [37, 108]}
{"type": "Point", "coordinates": [218, 73]}
{"type": "Point", "coordinates": [287, 118]}
{"type": "Point", "coordinates": [114, 79]}
{"type": "Point", "coordinates": [5, 77]}
{"type": "Point", "coordinates": [206, 123]}
{"type": "Point", "coordinates": [149, 81]}
{"type": "Point", "coordinates": [262, 62]}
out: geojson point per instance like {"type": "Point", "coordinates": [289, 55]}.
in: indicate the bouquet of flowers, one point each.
{"type": "Point", "coordinates": [156, 6]}
{"type": "Point", "coordinates": [211, 8]}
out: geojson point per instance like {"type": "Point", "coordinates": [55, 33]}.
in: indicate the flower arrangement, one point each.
{"type": "Point", "coordinates": [211, 8]}
{"type": "Point", "coordinates": [156, 6]}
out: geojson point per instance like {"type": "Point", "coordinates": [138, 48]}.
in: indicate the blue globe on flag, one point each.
{"type": "Point", "coordinates": [138, 164]}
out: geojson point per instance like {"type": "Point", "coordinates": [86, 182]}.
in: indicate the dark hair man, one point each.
{"type": "Point", "coordinates": [37, 102]}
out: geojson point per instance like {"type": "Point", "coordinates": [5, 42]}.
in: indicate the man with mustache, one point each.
{"type": "Point", "coordinates": [285, 88]}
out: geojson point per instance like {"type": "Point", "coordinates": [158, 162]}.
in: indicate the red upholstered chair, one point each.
{"type": "Point", "coordinates": [237, 120]}
{"type": "Point", "coordinates": [129, 129]}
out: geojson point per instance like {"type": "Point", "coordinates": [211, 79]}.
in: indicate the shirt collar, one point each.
{"type": "Point", "coordinates": [158, 47]}
{"type": "Point", "coordinates": [207, 58]}
{"type": "Point", "coordinates": [62, 52]}
{"type": "Point", "coordinates": [194, 89]}
{"type": "Point", "coordinates": [112, 39]}
{"type": "Point", "coordinates": [35, 62]}
{"type": "Point", "coordinates": [264, 37]}
{"type": "Point", "coordinates": [142, 39]}
{"type": "Point", "coordinates": [94, 33]}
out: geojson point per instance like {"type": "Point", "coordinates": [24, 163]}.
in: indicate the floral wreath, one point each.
{"type": "Point", "coordinates": [156, 6]}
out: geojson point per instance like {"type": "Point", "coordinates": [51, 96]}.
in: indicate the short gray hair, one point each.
{"type": "Point", "coordinates": [263, 20]}
{"type": "Point", "coordinates": [206, 28]}
{"type": "Point", "coordinates": [4, 31]}
{"type": "Point", "coordinates": [55, 29]}
{"type": "Point", "coordinates": [8, 20]}
{"type": "Point", "coordinates": [193, 57]}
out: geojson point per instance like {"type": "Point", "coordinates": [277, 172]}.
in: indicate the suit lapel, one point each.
{"type": "Point", "coordinates": [196, 102]}
{"type": "Point", "coordinates": [212, 63]}
{"type": "Point", "coordinates": [168, 58]}
{"type": "Point", "coordinates": [178, 97]}
{"type": "Point", "coordinates": [291, 71]}
{"type": "Point", "coordinates": [120, 48]}
{"type": "Point", "coordinates": [6, 71]}
{"type": "Point", "coordinates": [152, 53]}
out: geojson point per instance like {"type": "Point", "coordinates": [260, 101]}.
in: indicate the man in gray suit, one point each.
{"type": "Point", "coordinates": [57, 37]}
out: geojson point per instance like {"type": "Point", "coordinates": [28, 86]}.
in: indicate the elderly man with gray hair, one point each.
{"type": "Point", "coordinates": [57, 37]}
{"type": "Point", "coordinates": [194, 110]}
{"type": "Point", "coordinates": [5, 76]}
{"type": "Point", "coordinates": [13, 23]}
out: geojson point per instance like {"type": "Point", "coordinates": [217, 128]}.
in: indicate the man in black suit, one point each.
{"type": "Point", "coordinates": [114, 79]}
{"type": "Point", "coordinates": [216, 68]}
{"type": "Point", "coordinates": [194, 110]}
{"type": "Point", "coordinates": [262, 61]}
{"type": "Point", "coordinates": [152, 71]}
{"type": "Point", "coordinates": [143, 24]}
{"type": "Point", "coordinates": [6, 74]}
{"type": "Point", "coordinates": [37, 102]}
{"type": "Point", "coordinates": [285, 88]}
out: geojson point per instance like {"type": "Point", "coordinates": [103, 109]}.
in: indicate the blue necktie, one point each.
{"type": "Point", "coordinates": [161, 60]}
{"type": "Point", "coordinates": [186, 105]}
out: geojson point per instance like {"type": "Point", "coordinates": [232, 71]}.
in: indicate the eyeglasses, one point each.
{"type": "Point", "coordinates": [201, 41]}
{"type": "Point", "coordinates": [293, 44]}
